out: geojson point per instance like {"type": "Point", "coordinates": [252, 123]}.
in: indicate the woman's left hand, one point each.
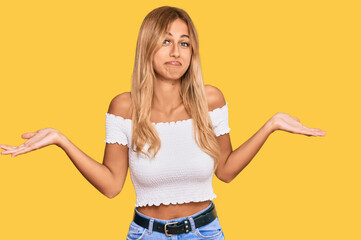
{"type": "Point", "coordinates": [283, 121]}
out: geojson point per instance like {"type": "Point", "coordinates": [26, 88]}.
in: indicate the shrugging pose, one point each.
{"type": "Point", "coordinates": [171, 131]}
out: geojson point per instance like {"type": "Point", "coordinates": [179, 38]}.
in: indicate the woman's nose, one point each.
{"type": "Point", "coordinates": [175, 51]}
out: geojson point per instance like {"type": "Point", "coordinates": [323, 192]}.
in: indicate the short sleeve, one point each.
{"type": "Point", "coordinates": [115, 128]}
{"type": "Point", "coordinates": [219, 117]}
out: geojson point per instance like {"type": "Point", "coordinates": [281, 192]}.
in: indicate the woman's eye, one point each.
{"type": "Point", "coordinates": [165, 41]}
{"type": "Point", "coordinates": [185, 44]}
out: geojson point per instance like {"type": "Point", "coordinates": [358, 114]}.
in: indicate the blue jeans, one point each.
{"type": "Point", "coordinates": [211, 231]}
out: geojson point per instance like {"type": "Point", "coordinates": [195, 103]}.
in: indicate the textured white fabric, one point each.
{"type": "Point", "coordinates": [180, 172]}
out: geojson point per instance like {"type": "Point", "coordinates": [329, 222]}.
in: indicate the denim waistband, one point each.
{"type": "Point", "coordinates": [175, 219]}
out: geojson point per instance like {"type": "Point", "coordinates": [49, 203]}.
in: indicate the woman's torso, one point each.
{"type": "Point", "coordinates": [170, 211]}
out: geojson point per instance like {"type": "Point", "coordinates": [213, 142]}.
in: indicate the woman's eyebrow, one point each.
{"type": "Point", "coordinates": [184, 35]}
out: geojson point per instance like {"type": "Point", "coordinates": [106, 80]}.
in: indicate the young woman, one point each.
{"type": "Point", "coordinates": [173, 134]}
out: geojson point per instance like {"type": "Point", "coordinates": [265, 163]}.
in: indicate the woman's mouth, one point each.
{"type": "Point", "coordinates": [175, 63]}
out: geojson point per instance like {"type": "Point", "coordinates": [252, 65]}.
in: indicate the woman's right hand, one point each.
{"type": "Point", "coordinates": [36, 140]}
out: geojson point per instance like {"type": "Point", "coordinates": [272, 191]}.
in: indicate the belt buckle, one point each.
{"type": "Point", "coordinates": [165, 229]}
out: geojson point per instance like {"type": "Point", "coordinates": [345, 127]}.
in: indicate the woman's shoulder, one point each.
{"type": "Point", "coordinates": [215, 97]}
{"type": "Point", "coordinates": [121, 105]}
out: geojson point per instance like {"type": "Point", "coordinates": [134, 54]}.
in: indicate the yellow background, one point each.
{"type": "Point", "coordinates": [61, 62]}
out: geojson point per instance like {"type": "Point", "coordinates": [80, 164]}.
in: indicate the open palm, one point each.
{"type": "Point", "coordinates": [285, 122]}
{"type": "Point", "coordinates": [36, 140]}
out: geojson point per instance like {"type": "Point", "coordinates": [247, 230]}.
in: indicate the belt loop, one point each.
{"type": "Point", "coordinates": [150, 227]}
{"type": "Point", "coordinates": [192, 223]}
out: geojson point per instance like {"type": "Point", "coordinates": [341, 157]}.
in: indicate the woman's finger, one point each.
{"type": "Point", "coordinates": [298, 120]}
{"type": "Point", "coordinates": [13, 150]}
{"type": "Point", "coordinates": [7, 147]}
{"type": "Point", "coordinates": [312, 131]}
{"type": "Point", "coordinates": [298, 128]}
{"type": "Point", "coordinates": [319, 132]}
{"type": "Point", "coordinates": [28, 135]}
{"type": "Point", "coordinates": [24, 150]}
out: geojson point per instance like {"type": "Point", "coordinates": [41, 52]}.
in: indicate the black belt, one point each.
{"type": "Point", "coordinates": [178, 227]}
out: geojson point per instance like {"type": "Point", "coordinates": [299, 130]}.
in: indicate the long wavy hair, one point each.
{"type": "Point", "coordinates": [151, 35]}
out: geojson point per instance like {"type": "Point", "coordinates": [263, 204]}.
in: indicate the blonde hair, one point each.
{"type": "Point", "coordinates": [150, 38]}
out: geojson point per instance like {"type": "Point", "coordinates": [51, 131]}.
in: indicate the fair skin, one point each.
{"type": "Point", "coordinates": [170, 62]}
{"type": "Point", "coordinates": [109, 177]}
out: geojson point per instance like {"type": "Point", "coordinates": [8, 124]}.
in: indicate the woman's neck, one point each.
{"type": "Point", "coordinates": [166, 95]}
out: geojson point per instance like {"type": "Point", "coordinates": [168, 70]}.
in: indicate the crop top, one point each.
{"type": "Point", "coordinates": [181, 172]}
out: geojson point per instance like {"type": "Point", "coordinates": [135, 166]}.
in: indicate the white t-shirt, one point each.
{"type": "Point", "coordinates": [181, 172]}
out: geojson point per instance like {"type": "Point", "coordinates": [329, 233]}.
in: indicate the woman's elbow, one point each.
{"type": "Point", "coordinates": [110, 196]}
{"type": "Point", "coordinates": [113, 193]}
{"type": "Point", "coordinates": [224, 178]}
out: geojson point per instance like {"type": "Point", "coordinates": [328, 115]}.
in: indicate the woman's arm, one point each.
{"type": "Point", "coordinates": [232, 162]}
{"type": "Point", "coordinates": [108, 177]}
{"type": "Point", "coordinates": [235, 161]}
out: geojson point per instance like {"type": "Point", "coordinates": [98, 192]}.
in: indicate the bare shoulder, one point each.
{"type": "Point", "coordinates": [121, 105]}
{"type": "Point", "coordinates": [215, 97]}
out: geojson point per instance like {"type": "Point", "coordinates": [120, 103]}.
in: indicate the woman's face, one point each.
{"type": "Point", "coordinates": [172, 60]}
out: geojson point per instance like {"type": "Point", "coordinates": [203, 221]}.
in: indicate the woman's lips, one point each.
{"type": "Point", "coordinates": [175, 63]}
